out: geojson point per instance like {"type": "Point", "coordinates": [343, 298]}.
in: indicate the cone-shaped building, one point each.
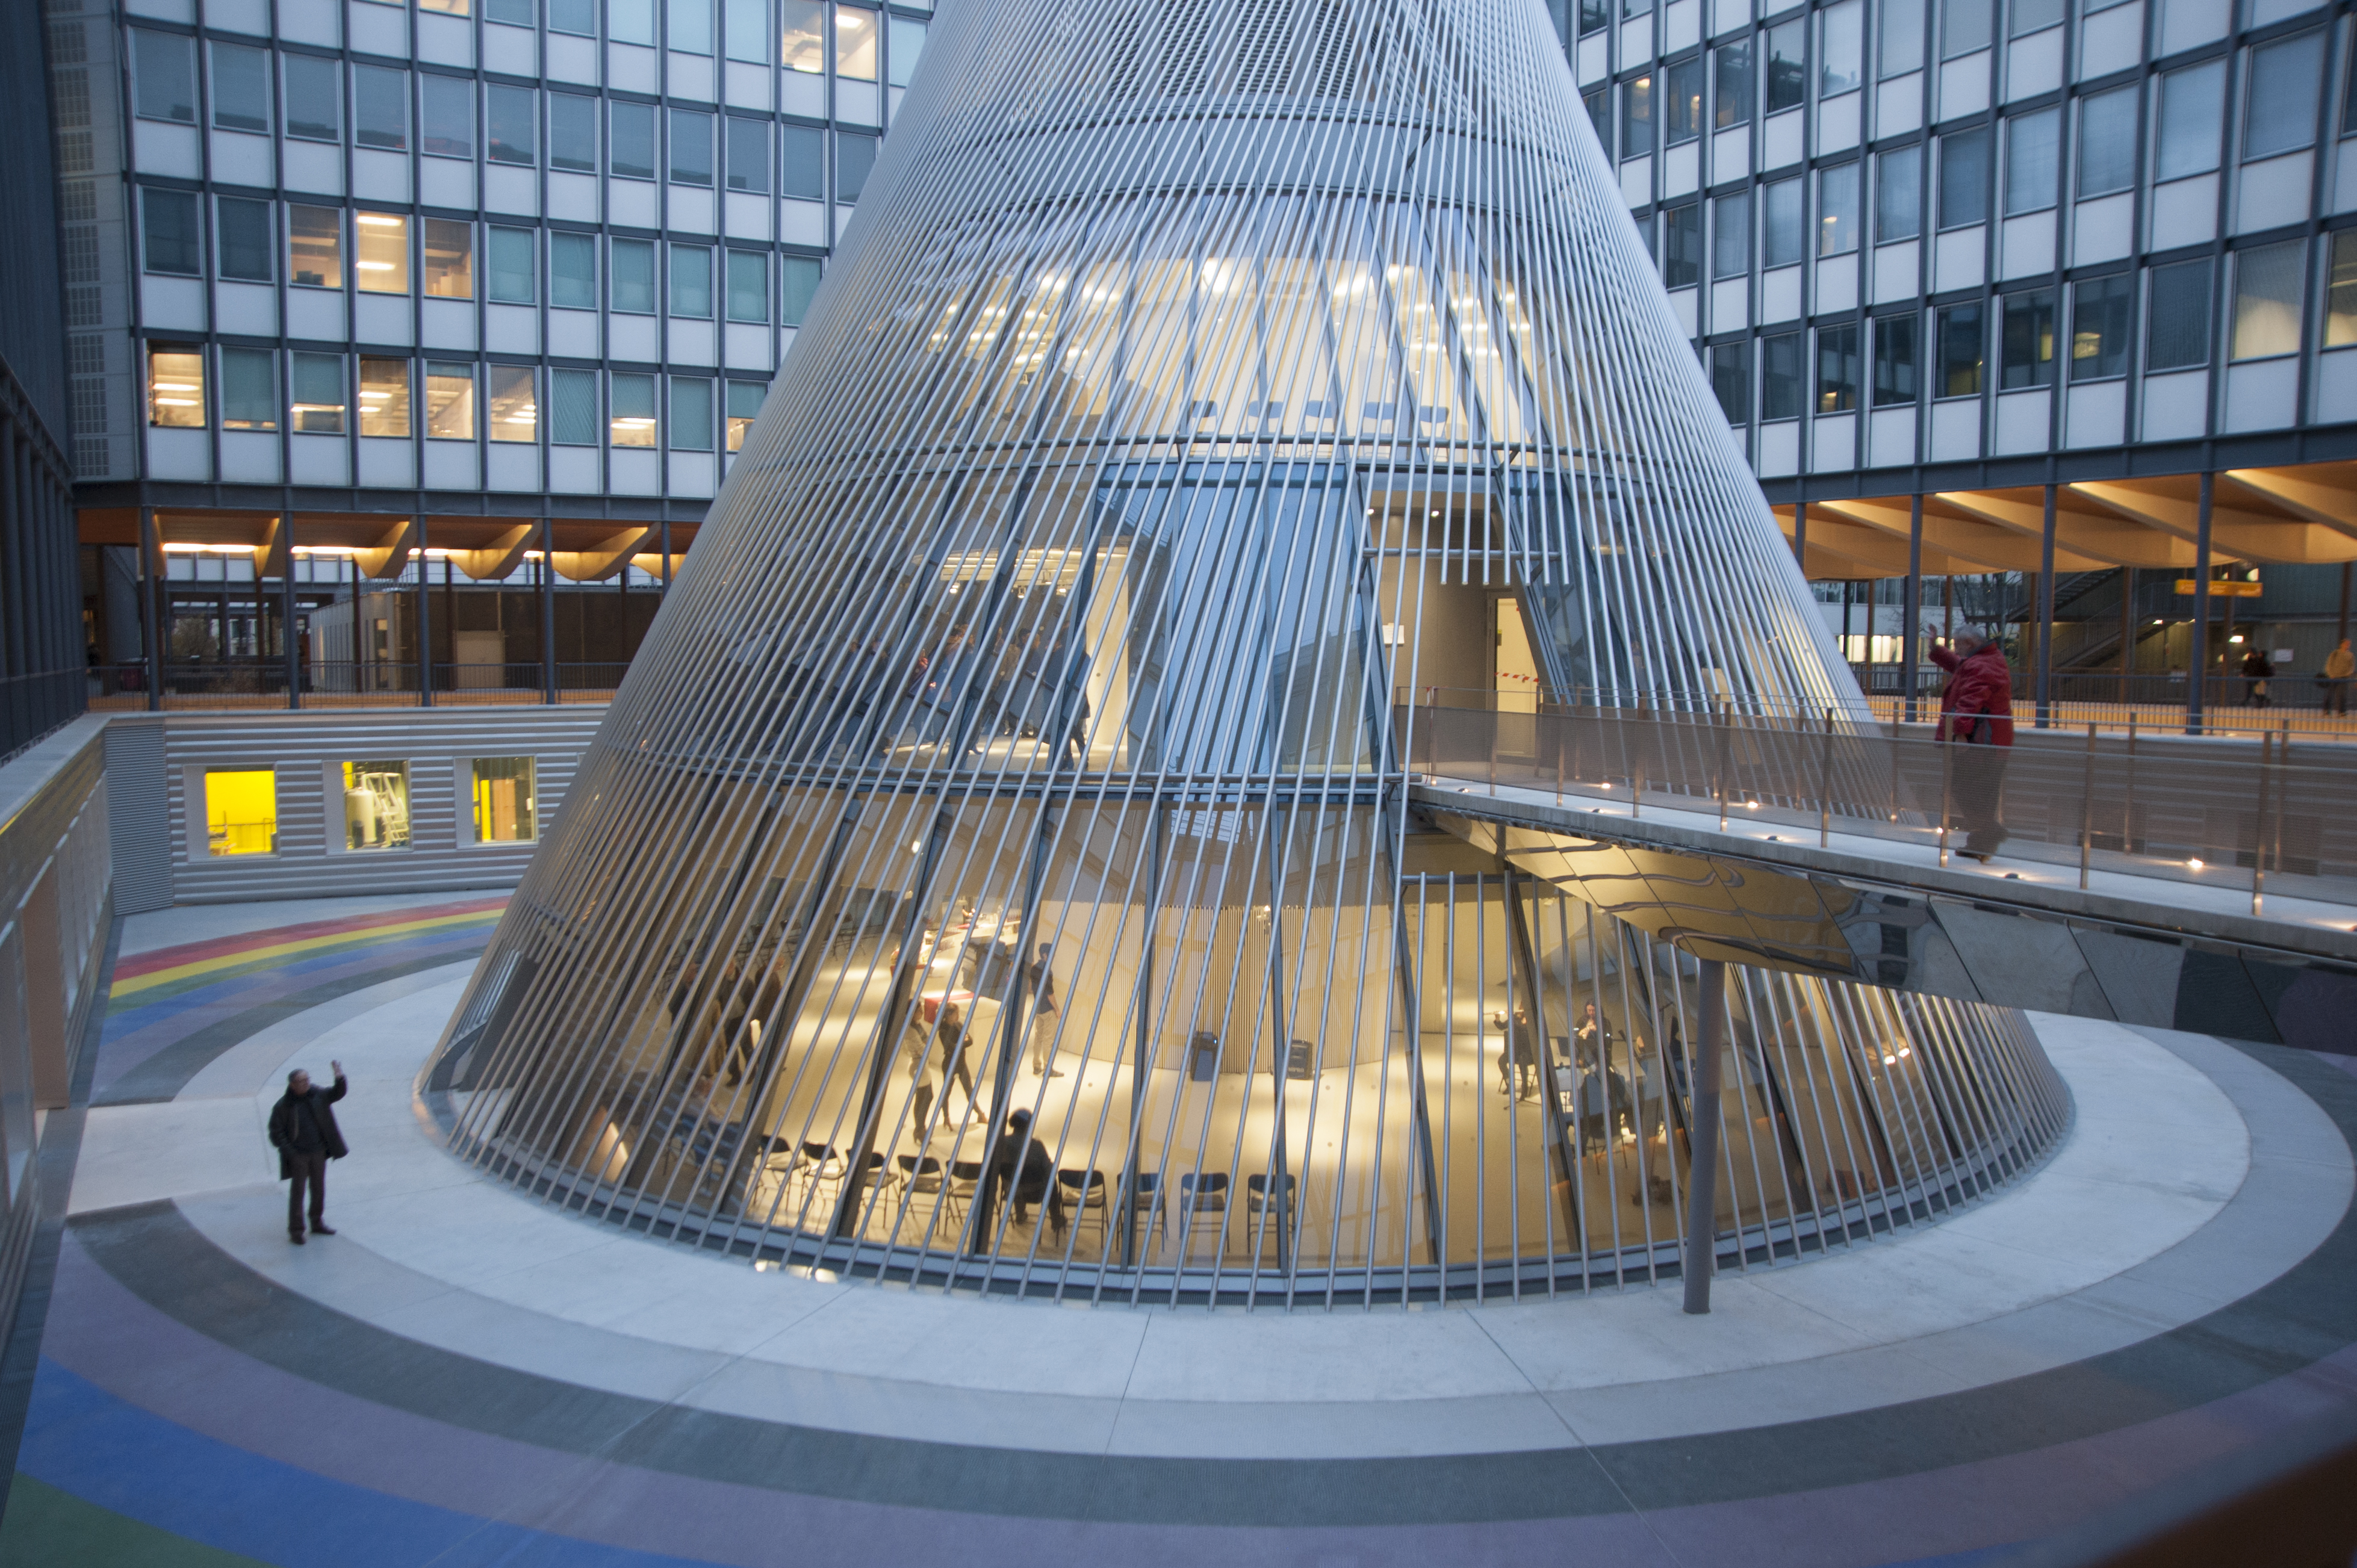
{"type": "Point", "coordinates": [1024, 732]}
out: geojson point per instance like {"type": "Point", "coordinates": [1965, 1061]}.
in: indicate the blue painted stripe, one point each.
{"type": "Point", "coordinates": [84, 1441]}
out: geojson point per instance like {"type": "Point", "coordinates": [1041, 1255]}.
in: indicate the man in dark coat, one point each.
{"type": "Point", "coordinates": [1977, 716]}
{"type": "Point", "coordinates": [303, 1131]}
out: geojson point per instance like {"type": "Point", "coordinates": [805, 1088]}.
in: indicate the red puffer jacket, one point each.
{"type": "Point", "coordinates": [1979, 688]}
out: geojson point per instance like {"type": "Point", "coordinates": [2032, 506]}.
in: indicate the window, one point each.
{"type": "Point", "coordinates": [1964, 178]}
{"type": "Point", "coordinates": [315, 247]}
{"type": "Point", "coordinates": [1837, 210]}
{"type": "Point", "coordinates": [2028, 356]}
{"type": "Point", "coordinates": [573, 133]}
{"type": "Point", "coordinates": [691, 281]}
{"type": "Point", "coordinates": [176, 388]}
{"type": "Point", "coordinates": [316, 389]}
{"type": "Point", "coordinates": [1839, 46]}
{"type": "Point", "coordinates": [1681, 245]}
{"type": "Point", "coordinates": [691, 413]}
{"type": "Point", "coordinates": [314, 99]}
{"type": "Point", "coordinates": [748, 156]}
{"type": "Point", "coordinates": [633, 420]}
{"type": "Point", "coordinates": [2341, 290]}
{"type": "Point", "coordinates": [1838, 368]}
{"type": "Point", "coordinates": [854, 43]}
{"type": "Point", "coordinates": [1637, 117]}
{"type": "Point", "coordinates": [248, 388]}
{"type": "Point", "coordinates": [907, 43]}
{"type": "Point", "coordinates": [749, 285]}
{"type": "Point", "coordinates": [1964, 351]}
{"type": "Point", "coordinates": [1898, 358]}
{"type": "Point", "coordinates": [446, 123]}
{"type": "Point", "coordinates": [449, 400]}
{"type": "Point", "coordinates": [1682, 84]}
{"type": "Point", "coordinates": [631, 149]}
{"type": "Point", "coordinates": [2101, 311]}
{"type": "Point", "coordinates": [449, 259]}
{"type": "Point", "coordinates": [2192, 111]}
{"type": "Point", "coordinates": [572, 271]}
{"type": "Point", "coordinates": [1779, 376]}
{"type": "Point", "coordinates": [1731, 85]}
{"type": "Point", "coordinates": [801, 163]}
{"type": "Point", "coordinates": [1788, 72]}
{"type": "Point", "coordinates": [452, 7]}
{"type": "Point", "coordinates": [2107, 133]}
{"type": "Point", "coordinates": [1594, 16]}
{"type": "Point", "coordinates": [1730, 378]}
{"type": "Point", "coordinates": [2034, 17]}
{"type": "Point", "coordinates": [688, 26]}
{"type": "Point", "coordinates": [1597, 102]}
{"type": "Point", "coordinates": [748, 23]}
{"type": "Point", "coordinates": [384, 397]}
{"type": "Point", "coordinates": [170, 232]}
{"type": "Point", "coordinates": [1730, 235]}
{"type": "Point", "coordinates": [380, 107]}
{"type": "Point", "coordinates": [164, 76]}
{"type": "Point", "coordinates": [242, 240]}
{"type": "Point", "coordinates": [744, 407]}
{"type": "Point", "coordinates": [503, 806]}
{"type": "Point", "coordinates": [515, 416]}
{"type": "Point", "coordinates": [2280, 113]}
{"type": "Point", "coordinates": [382, 242]}
{"type": "Point", "coordinates": [1898, 194]}
{"type": "Point", "coordinates": [510, 265]}
{"type": "Point", "coordinates": [854, 156]}
{"type": "Point", "coordinates": [514, 13]}
{"type": "Point", "coordinates": [803, 34]}
{"type": "Point", "coordinates": [578, 17]}
{"type": "Point", "coordinates": [1899, 48]}
{"type": "Point", "coordinates": [2029, 161]}
{"type": "Point", "coordinates": [573, 408]}
{"type": "Point", "coordinates": [241, 88]}
{"type": "Point", "coordinates": [1636, 7]}
{"type": "Point", "coordinates": [630, 21]}
{"type": "Point", "coordinates": [376, 805]}
{"type": "Point", "coordinates": [634, 272]}
{"type": "Point", "coordinates": [691, 148]}
{"type": "Point", "coordinates": [2179, 310]}
{"type": "Point", "coordinates": [1785, 223]}
{"type": "Point", "coordinates": [797, 281]}
{"type": "Point", "coordinates": [1964, 26]}
{"type": "Point", "coordinates": [241, 811]}
{"type": "Point", "coordinates": [511, 119]}
{"type": "Point", "coordinates": [2268, 300]}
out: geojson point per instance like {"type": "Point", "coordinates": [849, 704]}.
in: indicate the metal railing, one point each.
{"type": "Point", "coordinates": [260, 684]}
{"type": "Point", "coordinates": [2261, 818]}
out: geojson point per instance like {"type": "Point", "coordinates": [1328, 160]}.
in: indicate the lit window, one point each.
{"type": "Point", "coordinates": [383, 245]}
{"type": "Point", "coordinates": [854, 43]}
{"type": "Point", "coordinates": [449, 259]}
{"type": "Point", "coordinates": [515, 416]}
{"type": "Point", "coordinates": [376, 805]}
{"type": "Point", "coordinates": [315, 247]}
{"type": "Point", "coordinates": [503, 803]}
{"type": "Point", "coordinates": [451, 7]}
{"type": "Point", "coordinates": [384, 397]}
{"type": "Point", "coordinates": [633, 420]}
{"type": "Point", "coordinates": [744, 407]}
{"type": "Point", "coordinates": [176, 388]}
{"type": "Point", "coordinates": [242, 812]}
{"type": "Point", "coordinates": [318, 394]}
{"type": "Point", "coordinates": [804, 24]}
{"type": "Point", "coordinates": [450, 402]}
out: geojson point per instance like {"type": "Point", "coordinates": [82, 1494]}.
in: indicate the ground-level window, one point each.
{"type": "Point", "coordinates": [504, 800]}
{"type": "Point", "coordinates": [376, 805]}
{"type": "Point", "coordinates": [241, 810]}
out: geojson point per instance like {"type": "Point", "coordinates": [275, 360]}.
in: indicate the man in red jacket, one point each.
{"type": "Point", "coordinates": [1976, 714]}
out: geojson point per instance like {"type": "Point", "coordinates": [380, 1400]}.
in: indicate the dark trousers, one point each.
{"type": "Point", "coordinates": [1979, 794]}
{"type": "Point", "coordinates": [311, 1169]}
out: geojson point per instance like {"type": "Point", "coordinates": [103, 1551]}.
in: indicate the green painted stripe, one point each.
{"type": "Point", "coordinates": [45, 1528]}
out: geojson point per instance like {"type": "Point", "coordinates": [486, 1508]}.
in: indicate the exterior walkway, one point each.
{"type": "Point", "coordinates": [463, 1376]}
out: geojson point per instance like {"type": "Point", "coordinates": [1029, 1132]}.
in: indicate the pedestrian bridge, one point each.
{"type": "Point", "coordinates": [2182, 882]}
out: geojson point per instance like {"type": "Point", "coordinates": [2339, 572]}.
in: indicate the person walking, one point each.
{"type": "Point", "coordinates": [303, 1131]}
{"type": "Point", "coordinates": [1977, 716]}
{"type": "Point", "coordinates": [2339, 665]}
{"type": "Point", "coordinates": [2257, 671]}
{"type": "Point", "coordinates": [949, 1049]}
{"type": "Point", "coordinates": [1043, 1013]}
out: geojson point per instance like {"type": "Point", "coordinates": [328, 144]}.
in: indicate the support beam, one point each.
{"type": "Point", "coordinates": [497, 559]}
{"type": "Point", "coordinates": [1910, 615]}
{"type": "Point", "coordinates": [151, 605]}
{"type": "Point", "coordinates": [424, 622]}
{"type": "Point", "coordinates": [601, 561]}
{"type": "Point", "coordinates": [1973, 543]}
{"type": "Point", "coordinates": [2105, 539]}
{"type": "Point", "coordinates": [547, 617]}
{"type": "Point", "coordinates": [1702, 1172]}
{"type": "Point", "coordinates": [1801, 533]}
{"type": "Point", "coordinates": [389, 556]}
{"type": "Point", "coordinates": [2197, 649]}
{"type": "Point", "coordinates": [2044, 611]}
{"type": "Point", "coordinates": [285, 529]}
{"type": "Point", "coordinates": [2303, 493]}
{"type": "Point", "coordinates": [2244, 535]}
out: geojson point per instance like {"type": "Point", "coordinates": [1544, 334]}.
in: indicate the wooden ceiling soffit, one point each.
{"type": "Point", "coordinates": [271, 556]}
{"type": "Point", "coordinates": [2296, 491]}
{"type": "Point", "coordinates": [2234, 534]}
{"type": "Point", "coordinates": [1987, 546]}
{"type": "Point", "coordinates": [389, 556]}
{"type": "Point", "coordinates": [601, 561]}
{"type": "Point", "coordinates": [497, 558]}
{"type": "Point", "coordinates": [1855, 550]}
{"type": "Point", "coordinates": [2103, 537]}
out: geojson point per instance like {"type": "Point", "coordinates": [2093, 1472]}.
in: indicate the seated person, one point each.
{"type": "Point", "coordinates": [1035, 1181]}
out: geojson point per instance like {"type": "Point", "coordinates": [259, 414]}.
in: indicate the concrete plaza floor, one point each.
{"type": "Point", "coordinates": [464, 1375]}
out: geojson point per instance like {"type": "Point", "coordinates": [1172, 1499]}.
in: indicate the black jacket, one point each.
{"type": "Point", "coordinates": [282, 1125]}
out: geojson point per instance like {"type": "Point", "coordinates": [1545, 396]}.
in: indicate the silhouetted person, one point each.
{"type": "Point", "coordinates": [303, 1131]}
{"type": "Point", "coordinates": [2339, 665]}
{"type": "Point", "coordinates": [1022, 1163]}
{"type": "Point", "coordinates": [2257, 671]}
{"type": "Point", "coordinates": [1976, 717]}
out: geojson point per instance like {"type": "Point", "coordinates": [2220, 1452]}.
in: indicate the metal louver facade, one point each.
{"type": "Point", "coordinates": [995, 869]}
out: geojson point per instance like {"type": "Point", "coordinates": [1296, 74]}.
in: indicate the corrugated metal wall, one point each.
{"type": "Point", "coordinates": [439, 744]}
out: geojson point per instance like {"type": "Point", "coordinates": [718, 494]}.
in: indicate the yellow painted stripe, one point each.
{"type": "Point", "coordinates": [280, 951]}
